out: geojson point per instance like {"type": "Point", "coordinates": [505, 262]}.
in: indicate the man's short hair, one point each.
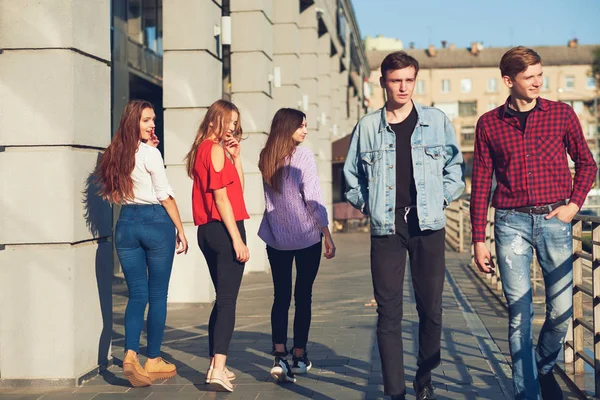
{"type": "Point", "coordinates": [517, 59]}
{"type": "Point", "coordinates": [398, 60]}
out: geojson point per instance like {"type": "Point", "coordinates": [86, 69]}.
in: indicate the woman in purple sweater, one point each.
{"type": "Point", "coordinates": [294, 223]}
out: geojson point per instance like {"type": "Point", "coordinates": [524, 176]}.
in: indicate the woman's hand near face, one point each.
{"type": "Point", "coordinates": [153, 141]}
{"type": "Point", "coordinates": [232, 145]}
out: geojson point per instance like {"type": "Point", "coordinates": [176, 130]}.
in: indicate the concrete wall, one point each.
{"type": "Point", "coordinates": [252, 91]}
{"type": "Point", "coordinates": [309, 62]}
{"type": "Point", "coordinates": [55, 261]}
{"type": "Point", "coordinates": [192, 74]}
{"type": "Point", "coordinates": [286, 53]}
{"type": "Point", "coordinates": [324, 118]}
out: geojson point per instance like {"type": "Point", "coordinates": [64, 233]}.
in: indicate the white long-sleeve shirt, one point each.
{"type": "Point", "coordinates": [150, 183]}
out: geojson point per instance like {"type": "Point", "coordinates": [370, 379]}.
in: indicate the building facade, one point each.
{"type": "Point", "coordinates": [68, 69]}
{"type": "Point", "coordinates": [382, 43]}
{"type": "Point", "coordinates": [466, 83]}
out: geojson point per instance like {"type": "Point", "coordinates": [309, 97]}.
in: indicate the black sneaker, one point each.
{"type": "Point", "coordinates": [425, 392]}
{"type": "Point", "coordinates": [281, 370]}
{"type": "Point", "coordinates": [301, 365]}
{"type": "Point", "coordinates": [399, 397]}
{"type": "Point", "coordinates": [549, 387]}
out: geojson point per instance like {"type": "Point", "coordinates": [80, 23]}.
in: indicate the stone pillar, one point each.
{"type": "Point", "coordinates": [55, 257]}
{"type": "Point", "coordinates": [346, 124]}
{"type": "Point", "coordinates": [251, 73]}
{"type": "Point", "coordinates": [336, 95]}
{"type": "Point", "coordinates": [286, 53]}
{"type": "Point", "coordinates": [324, 99]}
{"type": "Point", "coordinates": [192, 71]}
{"type": "Point", "coordinates": [309, 33]}
{"type": "Point", "coordinates": [340, 87]}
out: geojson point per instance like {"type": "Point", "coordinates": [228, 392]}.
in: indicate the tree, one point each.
{"type": "Point", "coordinates": [596, 66]}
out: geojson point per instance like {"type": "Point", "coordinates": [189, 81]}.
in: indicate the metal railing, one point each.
{"type": "Point", "coordinates": [582, 344]}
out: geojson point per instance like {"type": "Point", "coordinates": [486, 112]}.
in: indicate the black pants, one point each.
{"type": "Point", "coordinates": [427, 266]}
{"type": "Point", "coordinates": [307, 266]}
{"type": "Point", "coordinates": [226, 274]}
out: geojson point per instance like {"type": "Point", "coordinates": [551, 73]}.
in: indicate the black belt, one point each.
{"type": "Point", "coordinates": [547, 209]}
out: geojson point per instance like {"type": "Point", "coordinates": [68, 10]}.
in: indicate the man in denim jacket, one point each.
{"type": "Point", "coordinates": [403, 168]}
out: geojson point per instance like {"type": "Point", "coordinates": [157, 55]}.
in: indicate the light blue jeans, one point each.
{"type": "Point", "coordinates": [517, 235]}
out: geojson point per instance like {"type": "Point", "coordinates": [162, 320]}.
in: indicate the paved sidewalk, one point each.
{"type": "Point", "coordinates": [342, 344]}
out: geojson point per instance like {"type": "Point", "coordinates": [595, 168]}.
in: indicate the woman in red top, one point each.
{"type": "Point", "coordinates": [215, 165]}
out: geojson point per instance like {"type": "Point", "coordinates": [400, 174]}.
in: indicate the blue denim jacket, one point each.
{"type": "Point", "coordinates": [371, 175]}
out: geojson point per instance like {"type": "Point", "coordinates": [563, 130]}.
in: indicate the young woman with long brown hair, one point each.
{"type": "Point", "coordinates": [293, 225]}
{"type": "Point", "coordinates": [131, 173]}
{"type": "Point", "coordinates": [215, 165]}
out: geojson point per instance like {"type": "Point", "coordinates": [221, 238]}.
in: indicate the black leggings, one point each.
{"type": "Point", "coordinates": [226, 274]}
{"type": "Point", "coordinates": [307, 266]}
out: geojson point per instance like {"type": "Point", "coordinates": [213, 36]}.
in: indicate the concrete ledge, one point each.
{"type": "Point", "coordinates": [56, 383]}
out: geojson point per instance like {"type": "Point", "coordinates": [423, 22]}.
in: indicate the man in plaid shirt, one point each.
{"type": "Point", "coordinates": [525, 144]}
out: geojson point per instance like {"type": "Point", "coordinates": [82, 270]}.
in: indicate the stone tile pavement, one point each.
{"type": "Point", "coordinates": [342, 344]}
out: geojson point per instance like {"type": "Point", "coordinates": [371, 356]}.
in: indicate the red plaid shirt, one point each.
{"type": "Point", "coordinates": [531, 166]}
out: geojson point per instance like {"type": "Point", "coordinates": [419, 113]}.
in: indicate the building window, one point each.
{"type": "Point", "coordinates": [467, 108]}
{"type": "Point", "coordinates": [578, 107]}
{"type": "Point", "coordinates": [465, 85]}
{"type": "Point", "coordinates": [144, 23]}
{"type": "Point", "coordinates": [450, 109]}
{"type": "Point", "coordinates": [546, 85]}
{"type": "Point", "coordinates": [492, 85]}
{"type": "Point", "coordinates": [467, 135]}
{"type": "Point", "coordinates": [590, 82]}
{"type": "Point", "coordinates": [569, 82]}
{"type": "Point", "coordinates": [420, 86]}
{"type": "Point", "coordinates": [592, 131]}
{"type": "Point", "coordinates": [491, 106]}
{"type": "Point", "coordinates": [342, 26]}
{"type": "Point", "coordinates": [150, 24]}
{"type": "Point", "coordinates": [134, 21]}
{"type": "Point", "coordinates": [576, 104]}
{"type": "Point", "coordinates": [445, 85]}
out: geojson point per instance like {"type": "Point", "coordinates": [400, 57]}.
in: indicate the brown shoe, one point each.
{"type": "Point", "coordinates": [160, 370]}
{"type": "Point", "coordinates": [230, 375]}
{"type": "Point", "coordinates": [219, 381]}
{"type": "Point", "coordinates": [133, 371]}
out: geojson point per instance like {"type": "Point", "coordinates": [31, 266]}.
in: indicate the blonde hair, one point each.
{"type": "Point", "coordinates": [214, 122]}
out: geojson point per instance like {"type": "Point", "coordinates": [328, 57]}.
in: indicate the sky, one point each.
{"type": "Point", "coordinates": [495, 23]}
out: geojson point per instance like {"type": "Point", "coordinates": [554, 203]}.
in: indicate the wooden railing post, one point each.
{"type": "Point", "coordinates": [596, 302]}
{"type": "Point", "coordinates": [578, 343]}
{"type": "Point", "coordinates": [461, 229]}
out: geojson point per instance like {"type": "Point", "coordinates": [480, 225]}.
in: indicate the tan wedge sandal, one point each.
{"type": "Point", "coordinates": [160, 370]}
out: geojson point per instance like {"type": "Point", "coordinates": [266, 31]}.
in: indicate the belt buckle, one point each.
{"type": "Point", "coordinates": [540, 209]}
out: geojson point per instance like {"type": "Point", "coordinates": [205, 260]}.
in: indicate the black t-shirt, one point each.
{"type": "Point", "coordinates": [406, 190]}
{"type": "Point", "coordinates": [522, 115]}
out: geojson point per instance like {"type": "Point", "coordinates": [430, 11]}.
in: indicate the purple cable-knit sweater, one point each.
{"type": "Point", "coordinates": [293, 218]}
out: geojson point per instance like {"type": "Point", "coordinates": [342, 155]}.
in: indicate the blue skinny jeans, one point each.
{"type": "Point", "coordinates": [145, 243]}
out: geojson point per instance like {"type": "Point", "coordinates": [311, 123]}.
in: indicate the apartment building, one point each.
{"type": "Point", "coordinates": [465, 83]}
{"type": "Point", "coordinates": [68, 67]}
{"type": "Point", "coordinates": [382, 43]}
